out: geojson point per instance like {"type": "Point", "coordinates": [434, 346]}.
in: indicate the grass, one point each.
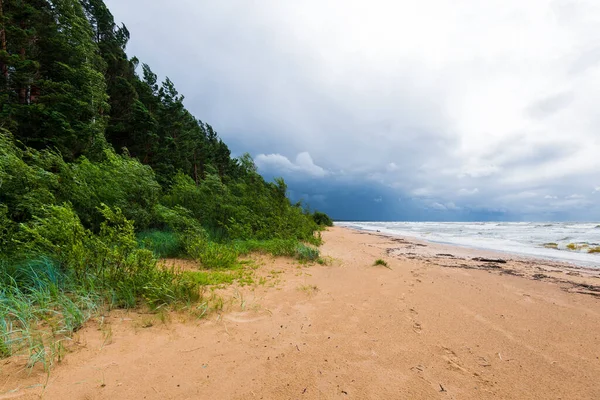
{"type": "Point", "coordinates": [279, 248]}
{"type": "Point", "coordinates": [215, 255]}
{"type": "Point", "coordinates": [594, 249]}
{"type": "Point", "coordinates": [381, 262]}
{"type": "Point", "coordinates": [310, 290]}
{"type": "Point", "coordinates": [551, 245]}
{"type": "Point", "coordinates": [41, 304]}
{"type": "Point", "coordinates": [45, 300]}
{"type": "Point", "coordinates": [163, 244]}
{"type": "Point", "coordinates": [219, 277]}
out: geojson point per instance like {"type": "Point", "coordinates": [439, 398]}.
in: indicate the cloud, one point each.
{"type": "Point", "coordinates": [549, 105]}
{"type": "Point", "coordinates": [425, 100]}
{"type": "Point", "coordinates": [468, 192]}
{"type": "Point", "coordinates": [276, 162]}
{"type": "Point", "coordinates": [391, 167]}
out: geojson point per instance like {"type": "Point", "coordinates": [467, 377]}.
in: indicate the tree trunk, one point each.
{"type": "Point", "coordinates": [3, 67]}
{"type": "Point", "coordinates": [23, 88]}
{"type": "Point", "coordinates": [195, 168]}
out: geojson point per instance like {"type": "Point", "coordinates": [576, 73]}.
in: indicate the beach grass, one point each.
{"type": "Point", "coordinates": [382, 263]}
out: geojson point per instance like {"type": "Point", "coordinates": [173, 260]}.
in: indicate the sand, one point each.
{"type": "Point", "coordinates": [435, 324]}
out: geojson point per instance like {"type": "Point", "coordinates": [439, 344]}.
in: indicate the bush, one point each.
{"type": "Point", "coordinates": [214, 255]}
{"type": "Point", "coordinates": [306, 253]}
{"type": "Point", "coordinates": [278, 248]}
{"type": "Point", "coordinates": [163, 244]}
{"type": "Point", "coordinates": [322, 219]}
{"type": "Point", "coordinates": [70, 272]}
{"type": "Point", "coordinates": [117, 181]}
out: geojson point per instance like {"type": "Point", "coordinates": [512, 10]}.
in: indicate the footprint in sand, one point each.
{"type": "Point", "coordinates": [417, 327]}
{"type": "Point", "coordinates": [453, 360]}
{"type": "Point", "coordinates": [243, 317]}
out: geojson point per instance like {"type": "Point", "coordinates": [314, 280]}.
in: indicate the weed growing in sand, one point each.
{"type": "Point", "coordinates": [594, 249]}
{"type": "Point", "coordinates": [381, 262]}
{"type": "Point", "coordinates": [310, 290]}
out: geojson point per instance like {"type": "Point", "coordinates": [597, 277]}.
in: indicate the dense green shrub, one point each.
{"type": "Point", "coordinates": [164, 244]}
{"type": "Point", "coordinates": [117, 181]}
{"type": "Point", "coordinates": [70, 206]}
{"type": "Point", "coordinates": [214, 255]}
{"type": "Point", "coordinates": [322, 219]}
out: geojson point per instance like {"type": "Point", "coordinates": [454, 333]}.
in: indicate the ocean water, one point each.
{"type": "Point", "coordinates": [573, 240]}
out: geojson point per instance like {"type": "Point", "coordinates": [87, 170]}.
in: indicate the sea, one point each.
{"type": "Point", "coordinates": [558, 241]}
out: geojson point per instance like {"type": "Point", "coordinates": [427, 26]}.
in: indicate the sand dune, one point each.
{"type": "Point", "coordinates": [436, 324]}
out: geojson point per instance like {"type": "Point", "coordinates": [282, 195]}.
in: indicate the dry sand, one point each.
{"type": "Point", "coordinates": [435, 325]}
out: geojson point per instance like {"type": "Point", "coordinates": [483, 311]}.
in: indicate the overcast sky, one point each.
{"type": "Point", "coordinates": [424, 110]}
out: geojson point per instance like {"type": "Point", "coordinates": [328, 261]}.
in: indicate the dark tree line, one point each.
{"type": "Point", "coordinates": [68, 84]}
{"type": "Point", "coordinates": [69, 91]}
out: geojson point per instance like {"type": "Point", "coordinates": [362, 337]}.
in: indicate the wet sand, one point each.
{"type": "Point", "coordinates": [435, 324]}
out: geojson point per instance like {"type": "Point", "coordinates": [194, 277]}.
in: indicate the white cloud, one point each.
{"type": "Point", "coordinates": [480, 171]}
{"type": "Point", "coordinates": [438, 206]}
{"type": "Point", "coordinates": [468, 192]}
{"type": "Point", "coordinates": [276, 162]}
{"type": "Point", "coordinates": [391, 167]}
{"type": "Point", "coordinates": [422, 192]}
{"type": "Point", "coordinates": [575, 196]}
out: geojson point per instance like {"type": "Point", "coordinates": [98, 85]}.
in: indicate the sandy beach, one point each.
{"type": "Point", "coordinates": [441, 322]}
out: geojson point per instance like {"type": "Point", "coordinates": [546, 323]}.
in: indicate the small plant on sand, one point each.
{"type": "Point", "coordinates": [551, 245]}
{"type": "Point", "coordinates": [306, 253]}
{"type": "Point", "coordinates": [594, 250]}
{"type": "Point", "coordinates": [310, 290]}
{"type": "Point", "coordinates": [381, 262]}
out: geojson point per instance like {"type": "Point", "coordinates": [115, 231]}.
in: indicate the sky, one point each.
{"type": "Point", "coordinates": [443, 110]}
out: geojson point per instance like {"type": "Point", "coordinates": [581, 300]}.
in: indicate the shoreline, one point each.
{"type": "Point", "coordinates": [575, 278]}
{"type": "Point", "coordinates": [422, 328]}
{"type": "Point", "coordinates": [506, 253]}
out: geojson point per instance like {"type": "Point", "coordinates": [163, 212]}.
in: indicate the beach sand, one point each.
{"type": "Point", "coordinates": [435, 324]}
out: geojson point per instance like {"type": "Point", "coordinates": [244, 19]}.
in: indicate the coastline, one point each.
{"type": "Point", "coordinates": [524, 240]}
{"type": "Point", "coordinates": [427, 327]}
{"type": "Point", "coordinates": [574, 278]}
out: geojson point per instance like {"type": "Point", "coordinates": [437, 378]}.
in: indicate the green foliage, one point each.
{"type": "Point", "coordinates": [275, 247]}
{"type": "Point", "coordinates": [278, 248]}
{"type": "Point", "coordinates": [214, 255]}
{"type": "Point", "coordinates": [306, 253]}
{"type": "Point", "coordinates": [164, 244]}
{"type": "Point", "coordinates": [217, 277]}
{"type": "Point", "coordinates": [59, 233]}
{"type": "Point", "coordinates": [81, 224]}
{"type": "Point", "coordinates": [25, 187]}
{"type": "Point", "coordinates": [68, 272]}
{"type": "Point", "coordinates": [381, 262]}
{"type": "Point", "coordinates": [118, 181]}
{"type": "Point", "coordinates": [322, 219]}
